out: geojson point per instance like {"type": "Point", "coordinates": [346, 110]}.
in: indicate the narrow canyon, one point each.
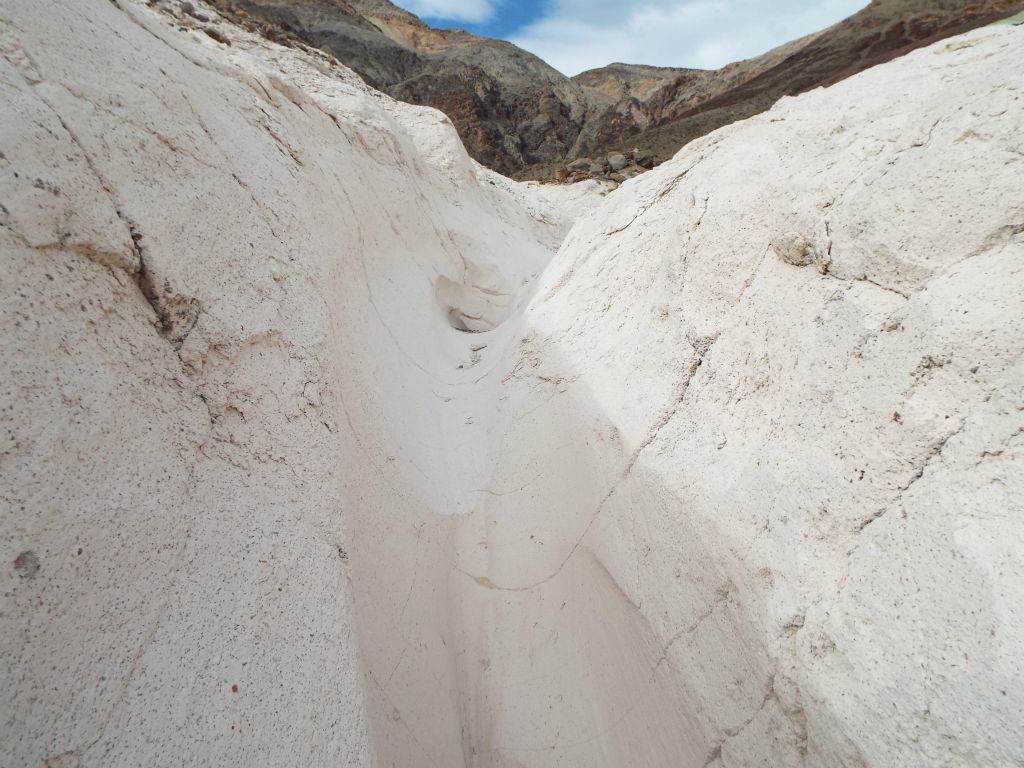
{"type": "Point", "coordinates": [324, 445]}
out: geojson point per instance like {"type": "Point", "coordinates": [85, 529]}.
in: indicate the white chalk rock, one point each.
{"type": "Point", "coordinates": [312, 455]}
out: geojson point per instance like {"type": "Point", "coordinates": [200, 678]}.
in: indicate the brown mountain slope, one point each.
{"type": "Point", "coordinates": [525, 119]}
{"type": "Point", "coordinates": [511, 109]}
{"type": "Point", "coordinates": [697, 103]}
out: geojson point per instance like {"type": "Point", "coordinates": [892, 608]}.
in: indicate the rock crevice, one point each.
{"type": "Point", "coordinates": [404, 463]}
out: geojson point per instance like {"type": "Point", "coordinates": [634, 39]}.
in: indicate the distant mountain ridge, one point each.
{"type": "Point", "coordinates": [512, 110]}
{"type": "Point", "coordinates": [521, 117]}
{"type": "Point", "coordinates": [697, 103]}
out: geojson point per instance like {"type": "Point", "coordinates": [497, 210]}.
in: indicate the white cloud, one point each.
{"type": "Point", "coordinates": [575, 35]}
{"type": "Point", "coordinates": [470, 11]}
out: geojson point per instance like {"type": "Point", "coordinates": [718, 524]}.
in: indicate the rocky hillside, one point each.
{"type": "Point", "coordinates": [519, 116]}
{"type": "Point", "coordinates": [511, 109]}
{"type": "Point", "coordinates": [322, 445]}
{"type": "Point", "coordinates": [696, 103]}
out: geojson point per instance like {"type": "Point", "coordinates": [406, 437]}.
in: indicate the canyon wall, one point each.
{"type": "Point", "coordinates": [324, 445]}
{"type": "Point", "coordinates": [220, 261]}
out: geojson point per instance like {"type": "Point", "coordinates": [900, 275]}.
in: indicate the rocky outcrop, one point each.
{"type": "Point", "coordinates": [325, 445]}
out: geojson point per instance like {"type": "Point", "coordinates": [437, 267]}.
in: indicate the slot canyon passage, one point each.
{"type": "Point", "coordinates": [323, 445]}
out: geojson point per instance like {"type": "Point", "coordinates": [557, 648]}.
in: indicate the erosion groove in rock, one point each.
{"type": "Point", "coordinates": [727, 473]}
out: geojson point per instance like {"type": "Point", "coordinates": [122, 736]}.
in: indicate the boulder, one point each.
{"type": "Point", "coordinates": [643, 158]}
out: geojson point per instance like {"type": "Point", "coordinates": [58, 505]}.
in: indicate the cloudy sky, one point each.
{"type": "Point", "coordinates": [574, 35]}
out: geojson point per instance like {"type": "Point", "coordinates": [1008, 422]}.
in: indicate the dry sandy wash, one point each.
{"type": "Point", "coordinates": [324, 446]}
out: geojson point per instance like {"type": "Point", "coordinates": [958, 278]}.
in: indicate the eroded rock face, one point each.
{"type": "Point", "coordinates": [312, 457]}
{"type": "Point", "coordinates": [795, 353]}
{"type": "Point", "coordinates": [216, 258]}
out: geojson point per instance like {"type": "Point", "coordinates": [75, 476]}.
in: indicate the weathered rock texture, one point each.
{"type": "Point", "coordinates": [311, 457]}
{"type": "Point", "coordinates": [222, 266]}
